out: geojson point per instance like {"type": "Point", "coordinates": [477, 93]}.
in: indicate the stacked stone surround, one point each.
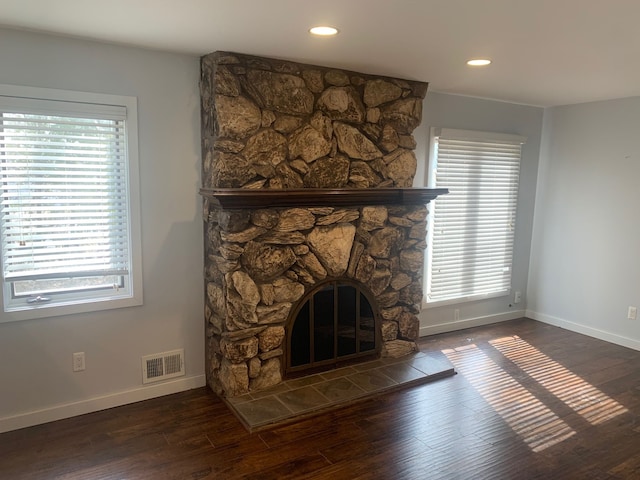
{"type": "Point", "coordinates": [282, 125]}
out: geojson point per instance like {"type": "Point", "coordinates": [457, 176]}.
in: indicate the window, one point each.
{"type": "Point", "coordinates": [69, 211]}
{"type": "Point", "coordinates": [471, 230]}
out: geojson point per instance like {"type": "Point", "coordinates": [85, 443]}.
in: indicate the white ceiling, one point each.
{"type": "Point", "coordinates": [544, 52]}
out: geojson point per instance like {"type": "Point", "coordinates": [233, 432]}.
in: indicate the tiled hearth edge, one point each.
{"type": "Point", "coordinates": [293, 400]}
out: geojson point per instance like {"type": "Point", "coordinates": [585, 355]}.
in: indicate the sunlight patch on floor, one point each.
{"type": "Point", "coordinates": [536, 424]}
{"type": "Point", "coordinates": [585, 399]}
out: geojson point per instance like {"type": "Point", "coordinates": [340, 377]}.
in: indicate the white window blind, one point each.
{"type": "Point", "coordinates": [471, 230]}
{"type": "Point", "coordinates": [65, 224]}
{"type": "Point", "coordinates": [64, 196]}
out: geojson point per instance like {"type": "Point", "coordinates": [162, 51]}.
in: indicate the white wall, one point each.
{"type": "Point", "coordinates": [450, 111]}
{"type": "Point", "coordinates": [585, 258]}
{"type": "Point", "coordinates": [37, 383]}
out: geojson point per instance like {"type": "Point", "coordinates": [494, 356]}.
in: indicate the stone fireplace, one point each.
{"type": "Point", "coordinates": [307, 175]}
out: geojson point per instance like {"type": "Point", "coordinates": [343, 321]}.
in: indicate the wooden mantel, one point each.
{"type": "Point", "coordinates": [239, 198]}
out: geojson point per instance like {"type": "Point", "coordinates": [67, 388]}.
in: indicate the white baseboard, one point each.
{"type": "Point", "coordinates": [58, 412]}
{"type": "Point", "coordinates": [585, 330]}
{"type": "Point", "coordinates": [470, 322]}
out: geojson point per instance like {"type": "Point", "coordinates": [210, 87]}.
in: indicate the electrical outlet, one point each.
{"type": "Point", "coordinates": [632, 313]}
{"type": "Point", "coordinates": [517, 297]}
{"type": "Point", "coordinates": [78, 362]}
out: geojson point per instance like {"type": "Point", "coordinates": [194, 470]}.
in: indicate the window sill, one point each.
{"type": "Point", "coordinates": [33, 312]}
{"type": "Point", "coordinates": [472, 298]}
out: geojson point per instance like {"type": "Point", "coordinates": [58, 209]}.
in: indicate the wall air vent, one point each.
{"type": "Point", "coordinates": [161, 366]}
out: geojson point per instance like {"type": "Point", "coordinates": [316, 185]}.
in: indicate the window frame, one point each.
{"type": "Point", "coordinates": [470, 136]}
{"type": "Point", "coordinates": [77, 302]}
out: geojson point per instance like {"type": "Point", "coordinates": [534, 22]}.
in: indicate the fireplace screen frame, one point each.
{"type": "Point", "coordinates": [335, 360]}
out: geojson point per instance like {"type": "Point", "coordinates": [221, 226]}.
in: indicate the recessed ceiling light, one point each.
{"type": "Point", "coordinates": [479, 62]}
{"type": "Point", "coordinates": [323, 30]}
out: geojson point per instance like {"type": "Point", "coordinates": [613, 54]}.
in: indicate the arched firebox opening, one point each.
{"type": "Point", "coordinates": [336, 323]}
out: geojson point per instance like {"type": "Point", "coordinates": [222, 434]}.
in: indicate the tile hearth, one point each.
{"type": "Point", "coordinates": [312, 394]}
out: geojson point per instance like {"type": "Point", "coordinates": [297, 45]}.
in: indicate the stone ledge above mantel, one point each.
{"type": "Point", "coordinates": [239, 198]}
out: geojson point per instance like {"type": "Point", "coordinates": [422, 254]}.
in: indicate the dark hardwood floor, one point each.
{"type": "Point", "coordinates": [531, 401]}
